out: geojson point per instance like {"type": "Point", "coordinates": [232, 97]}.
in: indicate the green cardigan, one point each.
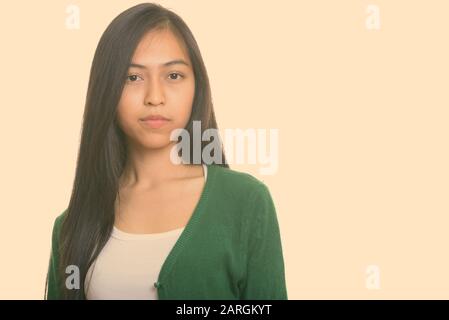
{"type": "Point", "coordinates": [230, 248]}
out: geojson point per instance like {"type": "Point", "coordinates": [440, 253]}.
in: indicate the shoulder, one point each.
{"type": "Point", "coordinates": [57, 223]}
{"type": "Point", "coordinates": [236, 179]}
{"type": "Point", "coordinates": [60, 218]}
{"type": "Point", "coordinates": [238, 185]}
{"type": "Point", "coordinates": [247, 198]}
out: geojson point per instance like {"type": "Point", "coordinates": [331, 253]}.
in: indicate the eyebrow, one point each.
{"type": "Point", "coordinates": [166, 64]}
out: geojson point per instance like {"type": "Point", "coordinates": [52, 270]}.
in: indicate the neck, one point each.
{"type": "Point", "coordinates": [146, 168]}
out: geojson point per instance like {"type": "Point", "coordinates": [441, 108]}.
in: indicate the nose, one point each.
{"type": "Point", "coordinates": [155, 93]}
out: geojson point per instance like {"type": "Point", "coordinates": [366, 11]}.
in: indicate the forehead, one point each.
{"type": "Point", "coordinates": [159, 46]}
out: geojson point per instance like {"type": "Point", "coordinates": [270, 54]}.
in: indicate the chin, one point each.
{"type": "Point", "coordinates": [157, 142]}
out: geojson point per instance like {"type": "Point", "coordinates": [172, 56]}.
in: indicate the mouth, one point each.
{"type": "Point", "coordinates": [156, 117]}
{"type": "Point", "coordinates": [154, 122]}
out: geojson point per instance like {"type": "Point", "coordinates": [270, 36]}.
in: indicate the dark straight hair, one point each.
{"type": "Point", "coordinates": [89, 218]}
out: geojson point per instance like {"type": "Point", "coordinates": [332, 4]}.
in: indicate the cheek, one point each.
{"type": "Point", "coordinates": [182, 101]}
{"type": "Point", "coordinates": [127, 111]}
{"type": "Point", "coordinates": [130, 98]}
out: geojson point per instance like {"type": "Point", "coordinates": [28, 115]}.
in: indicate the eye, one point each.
{"type": "Point", "coordinates": [133, 78]}
{"type": "Point", "coordinates": [176, 74]}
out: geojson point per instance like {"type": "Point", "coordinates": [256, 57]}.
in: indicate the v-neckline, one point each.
{"type": "Point", "coordinates": [188, 229]}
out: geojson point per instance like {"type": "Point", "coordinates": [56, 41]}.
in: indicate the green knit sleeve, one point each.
{"type": "Point", "coordinates": [265, 275]}
{"type": "Point", "coordinates": [52, 276]}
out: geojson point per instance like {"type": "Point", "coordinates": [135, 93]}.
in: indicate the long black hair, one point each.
{"type": "Point", "coordinates": [102, 153]}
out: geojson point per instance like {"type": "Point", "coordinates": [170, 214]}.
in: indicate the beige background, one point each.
{"type": "Point", "coordinates": [362, 117]}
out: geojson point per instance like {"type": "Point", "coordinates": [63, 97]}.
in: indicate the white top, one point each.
{"type": "Point", "coordinates": [129, 264]}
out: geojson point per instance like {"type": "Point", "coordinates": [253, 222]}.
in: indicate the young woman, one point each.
{"type": "Point", "coordinates": [140, 225]}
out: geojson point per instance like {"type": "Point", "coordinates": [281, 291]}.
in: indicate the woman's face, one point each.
{"type": "Point", "coordinates": [158, 83]}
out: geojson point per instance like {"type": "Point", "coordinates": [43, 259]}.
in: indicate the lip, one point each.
{"type": "Point", "coordinates": [155, 117]}
{"type": "Point", "coordinates": [155, 122]}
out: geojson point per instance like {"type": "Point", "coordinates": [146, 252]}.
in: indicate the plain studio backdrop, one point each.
{"type": "Point", "coordinates": [358, 91]}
